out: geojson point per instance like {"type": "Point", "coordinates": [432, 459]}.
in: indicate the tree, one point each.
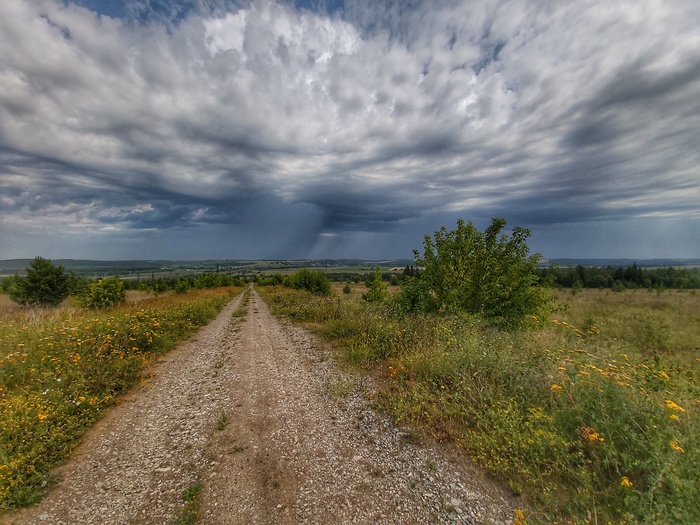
{"type": "Point", "coordinates": [485, 273]}
{"type": "Point", "coordinates": [376, 288]}
{"type": "Point", "coordinates": [44, 284]}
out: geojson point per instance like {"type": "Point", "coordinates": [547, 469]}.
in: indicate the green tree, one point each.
{"type": "Point", "coordinates": [44, 284]}
{"type": "Point", "coordinates": [486, 273]}
{"type": "Point", "coordinates": [376, 288]}
{"type": "Point", "coordinates": [104, 293]}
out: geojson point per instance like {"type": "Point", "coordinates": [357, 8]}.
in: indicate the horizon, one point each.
{"type": "Point", "coordinates": [345, 129]}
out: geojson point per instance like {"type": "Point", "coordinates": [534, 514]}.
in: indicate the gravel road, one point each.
{"type": "Point", "coordinates": [258, 414]}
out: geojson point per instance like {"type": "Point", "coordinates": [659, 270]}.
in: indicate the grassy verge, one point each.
{"type": "Point", "coordinates": [594, 419]}
{"type": "Point", "coordinates": [61, 368]}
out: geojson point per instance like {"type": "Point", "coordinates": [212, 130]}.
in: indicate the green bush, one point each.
{"type": "Point", "coordinates": [376, 289]}
{"type": "Point", "coordinates": [305, 279]}
{"type": "Point", "coordinates": [104, 293]}
{"type": "Point", "coordinates": [484, 273]}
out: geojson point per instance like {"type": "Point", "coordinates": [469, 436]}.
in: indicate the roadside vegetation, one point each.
{"type": "Point", "coordinates": [586, 403]}
{"type": "Point", "coordinates": [61, 368]}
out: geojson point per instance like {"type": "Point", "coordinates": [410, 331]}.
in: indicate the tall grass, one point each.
{"type": "Point", "coordinates": [61, 368]}
{"type": "Point", "coordinates": [594, 419]}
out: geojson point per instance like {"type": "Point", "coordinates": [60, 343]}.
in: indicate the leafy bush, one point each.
{"type": "Point", "coordinates": [376, 289]}
{"type": "Point", "coordinates": [485, 273]}
{"type": "Point", "coordinates": [44, 284]}
{"type": "Point", "coordinates": [305, 279]}
{"type": "Point", "coordinates": [104, 293]}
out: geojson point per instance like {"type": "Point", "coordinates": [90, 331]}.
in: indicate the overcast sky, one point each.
{"type": "Point", "coordinates": [193, 129]}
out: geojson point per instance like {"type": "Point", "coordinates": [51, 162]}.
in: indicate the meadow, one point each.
{"type": "Point", "coordinates": [591, 415]}
{"type": "Point", "coordinates": [61, 368]}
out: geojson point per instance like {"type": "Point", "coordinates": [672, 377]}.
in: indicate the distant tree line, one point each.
{"type": "Point", "coordinates": [619, 278]}
{"type": "Point", "coordinates": [46, 284]}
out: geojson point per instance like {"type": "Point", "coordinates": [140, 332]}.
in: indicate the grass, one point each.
{"type": "Point", "coordinates": [592, 419]}
{"type": "Point", "coordinates": [61, 368]}
{"type": "Point", "coordinates": [188, 512]}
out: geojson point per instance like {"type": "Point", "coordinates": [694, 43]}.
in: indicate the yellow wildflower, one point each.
{"type": "Point", "coordinates": [673, 406]}
{"type": "Point", "coordinates": [555, 387]}
{"type": "Point", "coordinates": [674, 417]}
{"type": "Point", "coordinates": [675, 446]}
{"type": "Point", "coordinates": [625, 482]}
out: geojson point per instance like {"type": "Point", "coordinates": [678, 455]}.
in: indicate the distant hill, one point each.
{"type": "Point", "coordinates": [99, 268]}
{"type": "Point", "coordinates": [247, 266]}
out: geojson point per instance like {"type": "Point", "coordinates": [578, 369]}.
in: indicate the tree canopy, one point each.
{"type": "Point", "coordinates": [44, 284]}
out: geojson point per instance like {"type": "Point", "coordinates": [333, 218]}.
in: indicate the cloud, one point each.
{"type": "Point", "coordinates": [344, 120]}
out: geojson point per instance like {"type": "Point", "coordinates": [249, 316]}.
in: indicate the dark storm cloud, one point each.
{"type": "Point", "coordinates": [323, 125]}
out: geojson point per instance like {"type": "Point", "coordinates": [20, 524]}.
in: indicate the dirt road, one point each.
{"type": "Point", "coordinates": [257, 414]}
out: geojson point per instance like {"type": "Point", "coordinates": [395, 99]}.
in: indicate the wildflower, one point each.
{"type": "Point", "coordinates": [591, 434]}
{"type": "Point", "coordinates": [675, 446]}
{"type": "Point", "coordinates": [673, 406]}
{"type": "Point", "coordinates": [674, 417]}
{"type": "Point", "coordinates": [519, 517]}
{"type": "Point", "coordinates": [555, 387]}
{"type": "Point", "coordinates": [625, 482]}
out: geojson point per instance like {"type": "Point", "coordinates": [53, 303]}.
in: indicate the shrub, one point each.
{"type": "Point", "coordinates": [347, 289]}
{"type": "Point", "coordinates": [104, 293]}
{"type": "Point", "coordinates": [305, 279]}
{"type": "Point", "coordinates": [485, 273]}
{"type": "Point", "coordinates": [376, 289]}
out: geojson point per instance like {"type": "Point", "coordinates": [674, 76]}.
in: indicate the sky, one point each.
{"type": "Point", "coordinates": [260, 129]}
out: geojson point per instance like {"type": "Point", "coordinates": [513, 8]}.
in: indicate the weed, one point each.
{"type": "Point", "coordinates": [222, 422]}
{"type": "Point", "coordinates": [341, 388]}
{"type": "Point", "coordinates": [188, 512]}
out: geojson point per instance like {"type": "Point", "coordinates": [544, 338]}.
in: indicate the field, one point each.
{"type": "Point", "coordinates": [593, 417]}
{"type": "Point", "coordinates": [61, 368]}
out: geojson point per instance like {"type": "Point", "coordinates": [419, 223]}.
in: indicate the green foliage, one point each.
{"type": "Point", "coordinates": [376, 289]}
{"type": "Point", "coordinates": [621, 278]}
{"type": "Point", "coordinates": [305, 279]}
{"type": "Point", "coordinates": [272, 280]}
{"type": "Point", "coordinates": [347, 289]}
{"type": "Point", "coordinates": [182, 286]}
{"type": "Point", "coordinates": [485, 273]}
{"type": "Point", "coordinates": [188, 512]}
{"type": "Point", "coordinates": [213, 280]}
{"type": "Point", "coordinates": [105, 293]}
{"type": "Point", "coordinates": [44, 284]}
